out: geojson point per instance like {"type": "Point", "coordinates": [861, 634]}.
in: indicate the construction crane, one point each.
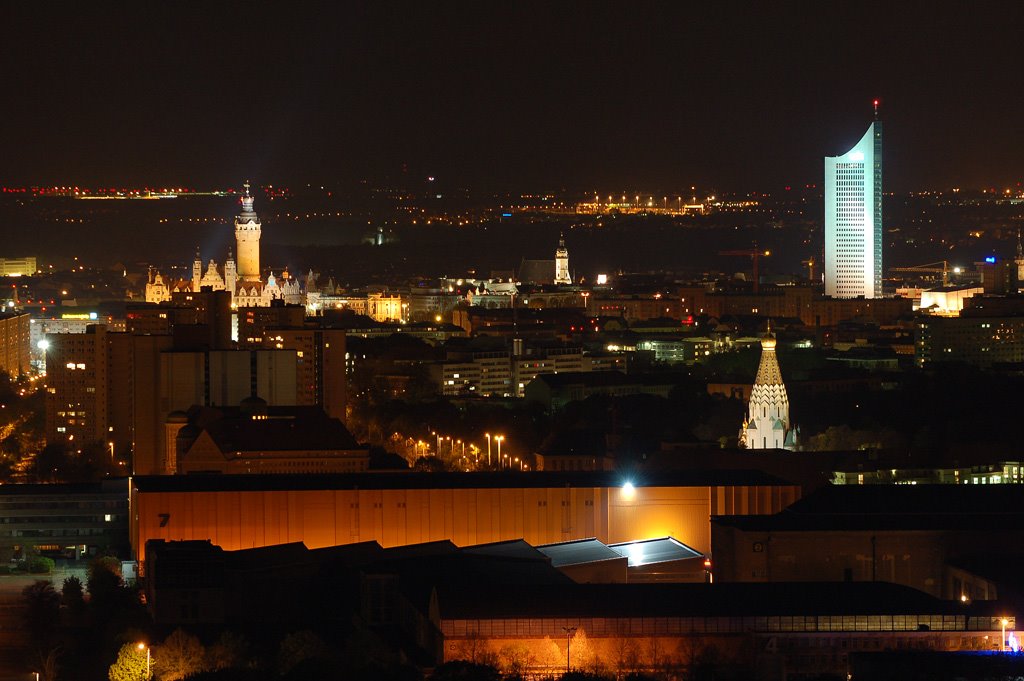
{"type": "Point", "coordinates": [810, 263]}
{"type": "Point", "coordinates": [754, 254]}
{"type": "Point", "coordinates": [941, 267]}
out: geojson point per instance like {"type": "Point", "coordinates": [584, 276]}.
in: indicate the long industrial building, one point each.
{"type": "Point", "coordinates": [395, 509]}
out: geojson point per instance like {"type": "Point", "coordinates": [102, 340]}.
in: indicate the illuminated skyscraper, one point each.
{"type": "Point", "coordinates": [853, 218]}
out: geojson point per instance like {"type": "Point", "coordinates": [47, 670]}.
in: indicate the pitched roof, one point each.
{"type": "Point", "coordinates": [650, 551]}
{"type": "Point", "coordinates": [577, 552]}
{"type": "Point", "coordinates": [285, 429]}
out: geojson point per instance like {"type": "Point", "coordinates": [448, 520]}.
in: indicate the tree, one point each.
{"type": "Point", "coordinates": [51, 464]}
{"type": "Point", "coordinates": [299, 647]}
{"type": "Point", "coordinates": [48, 663]}
{"type": "Point", "coordinates": [131, 664]}
{"type": "Point", "coordinates": [549, 655]}
{"type": "Point", "coordinates": [230, 651]}
{"type": "Point", "coordinates": [181, 656]}
{"type": "Point", "coordinates": [582, 653]}
{"type": "Point", "coordinates": [72, 594]}
{"type": "Point", "coordinates": [577, 675]}
{"type": "Point", "coordinates": [626, 655]}
{"type": "Point", "coordinates": [516, 659]}
{"type": "Point", "coordinates": [104, 582]}
{"type": "Point", "coordinates": [429, 464]}
{"type": "Point", "coordinates": [42, 611]}
{"type": "Point", "coordinates": [461, 670]}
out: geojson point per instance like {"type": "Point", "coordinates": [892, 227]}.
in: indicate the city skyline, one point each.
{"type": "Point", "coordinates": [503, 97]}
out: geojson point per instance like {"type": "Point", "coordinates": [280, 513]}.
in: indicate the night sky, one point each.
{"type": "Point", "coordinates": [503, 95]}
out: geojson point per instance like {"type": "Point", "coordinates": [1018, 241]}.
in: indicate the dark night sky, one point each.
{"type": "Point", "coordinates": [508, 95]}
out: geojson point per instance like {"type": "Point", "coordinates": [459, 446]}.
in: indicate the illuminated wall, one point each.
{"type": "Point", "coordinates": [637, 644]}
{"type": "Point", "coordinates": [853, 219]}
{"type": "Point", "coordinates": [394, 517]}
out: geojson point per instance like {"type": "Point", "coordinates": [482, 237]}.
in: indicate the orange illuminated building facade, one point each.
{"type": "Point", "coordinates": [396, 509]}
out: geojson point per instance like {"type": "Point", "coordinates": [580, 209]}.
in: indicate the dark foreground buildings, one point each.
{"type": "Point", "coordinates": [505, 604]}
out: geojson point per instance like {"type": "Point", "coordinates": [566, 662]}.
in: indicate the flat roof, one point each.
{"type": "Point", "coordinates": [398, 480]}
{"type": "Point", "coordinates": [649, 551]}
{"type": "Point", "coordinates": [466, 601]}
{"type": "Point", "coordinates": [895, 507]}
{"type": "Point", "coordinates": [110, 486]}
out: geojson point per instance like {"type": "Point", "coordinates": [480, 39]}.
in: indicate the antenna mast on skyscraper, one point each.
{"type": "Point", "coordinates": [876, 103]}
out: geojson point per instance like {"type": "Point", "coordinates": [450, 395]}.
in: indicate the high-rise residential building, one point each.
{"type": "Point", "coordinates": [319, 365]}
{"type": "Point", "coordinates": [767, 424]}
{"type": "Point", "coordinates": [562, 275]}
{"type": "Point", "coordinates": [853, 218]}
{"type": "Point", "coordinates": [15, 336]}
{"type": "Point", "coordinates": [77, 387]}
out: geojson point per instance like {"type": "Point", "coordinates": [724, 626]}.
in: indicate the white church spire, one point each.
{"type": "Point", "coordinates": [767, 424]}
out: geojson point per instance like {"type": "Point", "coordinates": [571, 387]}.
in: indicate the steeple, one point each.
{"type": "Point", "coordinates": [247, 239]}
{"type": "Point", "coordinates": [197, 271]}
{"type": "Point", "coordinates": [1019, 261]}
{"type": "Point", "coordinates": [562, 275]}
{"type": "Point", "coordinates": [767, 425]}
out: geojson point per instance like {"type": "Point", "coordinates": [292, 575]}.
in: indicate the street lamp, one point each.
{"type": "Point", "coordinates": [1002, 641]}
{"type": "Point", "coordinates": [143, 646]}
{"type": "Point", "coordinates": [499, 439]}
{"type": "Point", "coordinates": [569, 631]}
{"type": "Point", "coordinates": [488, 436]}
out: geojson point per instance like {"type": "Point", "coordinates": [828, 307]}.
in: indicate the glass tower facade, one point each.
{"type": "Point", "coordinates": [853, 219]}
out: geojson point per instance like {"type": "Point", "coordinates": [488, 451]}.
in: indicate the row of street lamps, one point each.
{"type": "Point", "coordinates": [494, 441]}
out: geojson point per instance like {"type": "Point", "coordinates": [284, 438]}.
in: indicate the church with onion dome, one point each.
{"type": "Point", "coordinates": [241, 276]}
{"type": "Point", "coordinates": [767, 424]}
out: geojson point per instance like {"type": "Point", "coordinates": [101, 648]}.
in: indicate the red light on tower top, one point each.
{"type": "Point", "coordinates": [876, 103]}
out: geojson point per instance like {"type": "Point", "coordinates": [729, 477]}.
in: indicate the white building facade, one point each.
{"type": "Point", "coordinates": [853, 219]}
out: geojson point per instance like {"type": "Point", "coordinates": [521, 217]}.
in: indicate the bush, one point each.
{"type": "Point", "coordinates": [40, 565]}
